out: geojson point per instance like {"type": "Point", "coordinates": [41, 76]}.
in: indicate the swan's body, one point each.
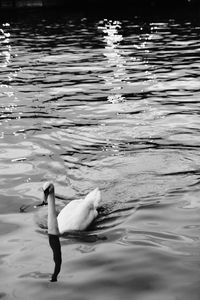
{"type": "Point", "coordinates": [77, 215]}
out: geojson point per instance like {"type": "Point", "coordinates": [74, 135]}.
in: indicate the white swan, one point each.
{"type": "Point", "coordinates": [77, 215]}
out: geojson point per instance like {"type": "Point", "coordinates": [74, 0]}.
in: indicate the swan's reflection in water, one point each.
{"type": "Point", "coordinates": [54, 242]}
{"type": "Point", "coordinates": [81, 236]}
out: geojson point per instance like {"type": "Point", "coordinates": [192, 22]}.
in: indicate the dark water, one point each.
{"type": "Point", "coordinates": [109, 103]}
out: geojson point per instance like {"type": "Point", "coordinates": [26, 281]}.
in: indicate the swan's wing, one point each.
{"type": "Point", "coordinates": [77, 215]}
{"type": "Point", "coordinates": [93, 198]}
{"type": "Point", "coordinates": [70, 216]}
{"type": "Point", "coordinates": [71, 208]}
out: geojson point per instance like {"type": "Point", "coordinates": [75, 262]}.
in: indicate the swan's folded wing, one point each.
{"type": "Point", "coordinates": [77, 215]}
{"type": "Point", "coordinates": [93, 198]}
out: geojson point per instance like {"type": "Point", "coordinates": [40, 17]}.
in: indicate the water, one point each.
{"type": "Point", "coordinates": [113, 103]}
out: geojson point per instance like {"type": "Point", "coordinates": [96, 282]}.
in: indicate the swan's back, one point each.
{"type": "Point", "coordinates": [79, 214]}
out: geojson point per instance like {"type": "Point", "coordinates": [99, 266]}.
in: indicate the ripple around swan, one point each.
{"type": "Point", "coordinates": [88, 102]}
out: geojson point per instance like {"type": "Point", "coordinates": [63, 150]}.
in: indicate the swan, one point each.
{"type": "Point", "coordinates": [75, 216]}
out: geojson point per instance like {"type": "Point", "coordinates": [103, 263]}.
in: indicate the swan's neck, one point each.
{"type": "Point", "coordinates": [52, 217]}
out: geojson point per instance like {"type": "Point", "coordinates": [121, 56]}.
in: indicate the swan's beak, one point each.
{"type": "Point", "coordinates": [45, 196]}
{"type": "Point", "coordinates": [44, 202]}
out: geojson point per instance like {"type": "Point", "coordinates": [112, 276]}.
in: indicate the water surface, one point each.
{"type": "Point", "coordinates": [101, 102]}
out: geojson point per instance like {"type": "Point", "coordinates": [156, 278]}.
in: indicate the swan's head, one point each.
{"type": "Point", "coordinates": [48, 188]}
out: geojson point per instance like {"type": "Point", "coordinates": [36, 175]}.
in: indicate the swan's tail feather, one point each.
{"type": "Point", "coordinates": [94, 198]}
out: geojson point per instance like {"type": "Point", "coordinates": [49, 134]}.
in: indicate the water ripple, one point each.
{"type": "Point", "coordinates": [89, 102]}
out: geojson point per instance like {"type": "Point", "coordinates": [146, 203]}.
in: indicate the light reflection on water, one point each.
{"type": "Point", "coordinates": [108, 103]}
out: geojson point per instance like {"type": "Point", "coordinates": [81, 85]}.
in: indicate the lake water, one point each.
{"type": "Point", "coordinates": [114, 103]}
